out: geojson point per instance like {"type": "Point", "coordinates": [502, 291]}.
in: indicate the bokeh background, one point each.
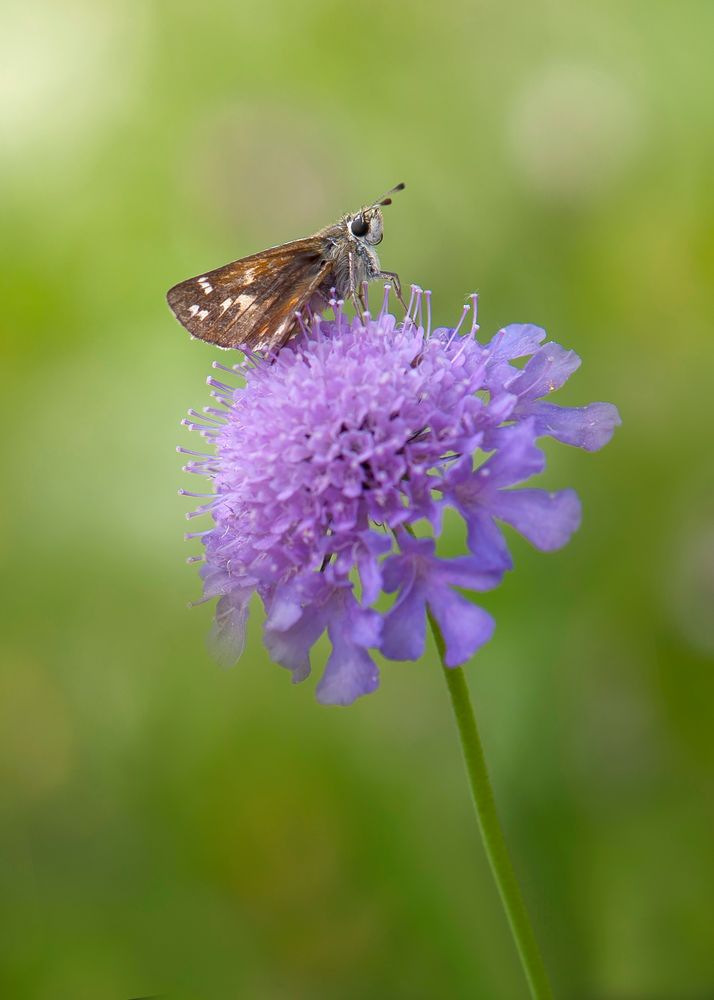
{"type": "Point", "coordinates": [170, 828]}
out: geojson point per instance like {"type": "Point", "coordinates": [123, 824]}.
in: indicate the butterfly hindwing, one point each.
{"type": "Point", "coordinates": [251, 302]}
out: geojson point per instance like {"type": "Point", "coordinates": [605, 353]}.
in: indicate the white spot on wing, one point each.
{"type": "Point", "coordinates": [245, 300]}
{"type": "Point", "coordinates": [226, 304]}
{"type": "Point", "coordinates": [202, 314]}
{"type": "Point", "coordinates": [205, 285]}
{"type": "Point", "coordinates": [193, 310]}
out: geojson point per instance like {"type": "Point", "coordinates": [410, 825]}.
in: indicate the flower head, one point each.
{"type": "Point", "coordinates": [326, 455]}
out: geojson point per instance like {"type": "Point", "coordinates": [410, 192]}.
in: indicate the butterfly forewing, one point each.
{"type": "Point", "coordinates": [251, 303]}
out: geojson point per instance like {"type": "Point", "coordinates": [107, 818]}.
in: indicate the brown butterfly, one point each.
{"type": "Point", "coordinates": [254, 303]}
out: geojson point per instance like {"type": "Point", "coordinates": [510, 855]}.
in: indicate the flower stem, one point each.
{"type": "Point", "coordinates": [491, 833]}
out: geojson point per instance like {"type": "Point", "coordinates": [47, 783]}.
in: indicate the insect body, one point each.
{"type": "Point", "coordinates": [254, 303]}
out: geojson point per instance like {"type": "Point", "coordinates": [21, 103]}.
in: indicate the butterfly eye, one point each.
{"type": "Point", "coordinates": [359, 226]}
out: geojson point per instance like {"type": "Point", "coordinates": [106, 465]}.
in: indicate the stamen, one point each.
{"type": "Point", "coordinates": [198, 602]}
{"type": "Point", "coordinates": [198, 496]}
{"type": "Point", "coordinates": [474, 303]}
{"type": "Point", "coordinates": [205, 508]}
{"type": "Point", "coordinates": [203, 416]}
{"type": "Point", "coordinates": [419, 307]}
{"type": "Point", "coordinates": [409, 307]}
{"type": "Point", "coordinates": [197, 454]}
{"type": "Point", "coordinates": [301, 323]}
{"type": "Point", "coordinates": [203, 468]}
{"type": "Point", "coordinates": [201, 428]}
{"type": "Point", "coordinates": [227, 390]}
{"type": "Point", "coordinates": [415, 305]}
{"type": "Point", "coordinates": [460, 350]}
{"type": "Point", "coordinates": [340, 314]}
{"type": "Point", "coordinates": [195, 559]}
{"type": "Point", "coordinates": [427, 296]}
{"type": "Point", "coordinates": [332, 303]}
{"type": "Point", "coordinates": [257, 359]}
{"type": "Point", "coordinates": [456, 329]}
{"type": "Point", "coordinates": [385, 301]}
{"type": "Point", "coordinates": [188, 535]}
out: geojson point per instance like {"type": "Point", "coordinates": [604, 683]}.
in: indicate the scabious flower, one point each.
{"type": "Point", "coordinates": [328, 454]}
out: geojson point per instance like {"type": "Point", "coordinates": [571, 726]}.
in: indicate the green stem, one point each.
{"type": "Point", "coordinates": [491, 832]}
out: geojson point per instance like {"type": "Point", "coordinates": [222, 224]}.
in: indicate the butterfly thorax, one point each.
{"type": "Point", "coordinates": [352, 258]}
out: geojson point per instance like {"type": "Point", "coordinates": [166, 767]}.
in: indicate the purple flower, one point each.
{"type": "Point", "coordinates": [327, 455]}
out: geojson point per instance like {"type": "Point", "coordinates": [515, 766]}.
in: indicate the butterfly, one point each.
{"type": "Point", "coordinates": [254, 304]}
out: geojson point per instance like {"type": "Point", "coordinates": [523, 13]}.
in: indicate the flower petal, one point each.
{"type": "Point", "coordinates": [404, 629]}
{"type": "Point", "coordinates": [471, 572]}
{"type": "Point", "coordinates": [370, 570]}
{"type": "Point", "coordinates": [545, 372]}
{"type": "Point", "coordinates": [464, 626]}
{"type": "Point", "coordinates": [517, 458]}
{"type": "Point", "coordinates": [284, 611]}
{"type": "Point", "coordinates": [400, 570]}
{"type": "Point", "coordinates": [350, 670]}
{"type": "Point", "coordinates": [545, 519]}
{"type": "Point", "coordinates": [515, 341]}
{"type": "Point", "coordinates": [485, 539]}
{"type": "Point", "coordinates": [589, 427]}
{"type": "Point", "coordinates": [298, 616]}
{"type": "Point", "coordinates": [350, 673]}
{"type": "Point", "coordinates": [290, 647]}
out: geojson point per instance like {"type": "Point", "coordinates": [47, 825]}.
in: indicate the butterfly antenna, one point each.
{"type": "Point", "coordinates": [385, 199]}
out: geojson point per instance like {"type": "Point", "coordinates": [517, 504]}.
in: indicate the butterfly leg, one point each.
{"type": "Point", "coordinates": [363, 294]}
{"type": "Point", "coordinates": [396, 284]}
{"type": "Point", "coordinates": [355, 294]}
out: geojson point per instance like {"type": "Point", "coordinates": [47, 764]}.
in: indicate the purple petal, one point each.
{"type": "Point", "coordinates": [460, 472]}
{"type": "Point", "coordinates": [399, 571]}
{"type": "Point", "coordinates": [350, 673]}
{"type": "Point", "coordinates": [546, 519]}
{"type": "Point", "coordinates": [350, 670]}
{"type": "Point", "coordinates": [515, 341]}
{"type": "Point", "coordinates": [471, 572]}
{"type": "Point", "coordinates": [485, 539]}
{"type": "Point", "coordinates": [290, 647]}
{"type": "Point", "coordinates": [370, 570]}
{"type": "Point", "coordinates": [365, 627]}
{"type": "Point", "coordinates": [517, 458]}
{"type": "Point", "coordinates": [404, 629]}
{"type": "Point", "coordinates": [284, 611]}
{"type": "Point", "coordinates": [501, 406]}
{"type": "Point", "coordinates": [589, 427]}
{"type": "Point", "coordinates": [464, 626]}
{"type": "Point", "coordinates": [370, 575]}
{"type": "Point", "coordinates": [545, 372]}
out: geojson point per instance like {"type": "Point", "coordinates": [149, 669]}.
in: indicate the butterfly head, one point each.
{"type": "Point", "coordinates": [368, 224]}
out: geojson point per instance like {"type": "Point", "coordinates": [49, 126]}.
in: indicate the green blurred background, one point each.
{"type": "Point", "coordinates": [171, 828]}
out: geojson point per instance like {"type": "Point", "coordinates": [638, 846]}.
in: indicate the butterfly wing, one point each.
{"type": "Point", "coordinates": [251, 303]}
